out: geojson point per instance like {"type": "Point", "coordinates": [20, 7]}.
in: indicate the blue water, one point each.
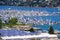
{"type": "Point", "coordinates": [52, 18]}
{"type": "Point", "coordinates": [46, 27]}
{"type": "Point", "coordinates": [29, 8]}
{"type": "Point", "coordinates": [49, 10]}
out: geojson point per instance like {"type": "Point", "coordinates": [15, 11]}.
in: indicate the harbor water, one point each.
{"type": "Point", "coordinates": [44, 18]}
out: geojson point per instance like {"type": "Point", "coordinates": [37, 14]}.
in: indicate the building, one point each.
{"type": "Point", "coordinates": [24, 27]}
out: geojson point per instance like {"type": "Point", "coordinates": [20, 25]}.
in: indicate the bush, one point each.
{"type": "Point", "coordinates": [31, 30]}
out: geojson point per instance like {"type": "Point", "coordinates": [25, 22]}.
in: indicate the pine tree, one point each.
{"type": "Point", "coordinates": [0, 23]}
{"type": "Point", "coordinates": [51, 30]}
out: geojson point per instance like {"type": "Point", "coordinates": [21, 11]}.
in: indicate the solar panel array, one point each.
{"type": "Point", "coordinates": [15, 33]}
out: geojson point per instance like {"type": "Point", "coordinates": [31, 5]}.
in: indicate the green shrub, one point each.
{"type": "Point", "coordinates": [1, 23]}
{"type": "Point", "coordinates": [31, 30]}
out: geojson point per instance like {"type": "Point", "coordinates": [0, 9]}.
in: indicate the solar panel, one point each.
{"type": "Point", "coordinates": [15, 33]}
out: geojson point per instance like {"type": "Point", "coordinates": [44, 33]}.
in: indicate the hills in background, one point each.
{"type": "Point", "coordinates": [31, 3]}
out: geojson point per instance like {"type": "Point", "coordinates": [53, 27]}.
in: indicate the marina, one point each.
{"type": "Point", "coordinates": [27, 18]}
{"type": "Point", "coordinates": [35, 16]}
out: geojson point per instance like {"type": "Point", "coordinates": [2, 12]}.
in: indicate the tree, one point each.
{"type": "Point", "coordinates": [0, 23]}
{"type": "Point", "coordinates": [12, 21]}
{"type": "Point", "coordinates": [31, 30]}
{"type": "Point", "coordinates": [51, 30]}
